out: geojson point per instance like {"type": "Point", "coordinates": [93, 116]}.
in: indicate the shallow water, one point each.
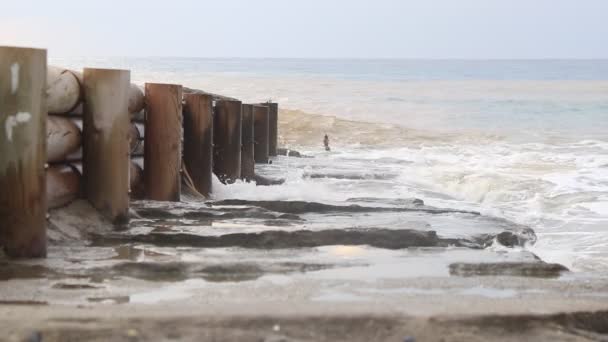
{"type": "Point", "coordinates": [522, 140]}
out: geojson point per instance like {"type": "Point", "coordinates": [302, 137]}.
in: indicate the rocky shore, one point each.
{"type": "Point", "coordinates": [281, 270]}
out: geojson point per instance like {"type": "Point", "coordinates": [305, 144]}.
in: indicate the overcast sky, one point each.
{"type": "Point", "coordinates": [310, 28]}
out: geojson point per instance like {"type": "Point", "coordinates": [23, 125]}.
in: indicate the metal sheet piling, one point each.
{"type": "Point", "coordinates": [198, 140]}
{"type": "Point", "coordinates": [260, 130]}
{"type": "Point", "coordinates": [247, 141]}
{"type": "Point", "coordinates": [227, 140]}
{"type": "Point", "coordinates": [273, 128]}
{"type": "Point", "coordinates": [162, 148]}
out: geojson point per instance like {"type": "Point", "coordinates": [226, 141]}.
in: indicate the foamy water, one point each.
{"type": "Point", "coordinates": [523, 140]}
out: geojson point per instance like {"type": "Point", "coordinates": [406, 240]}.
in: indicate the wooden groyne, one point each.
{"type": "Point", "coordinates": [67, 134]}
{"type": "Point", "coordinates": [23, 108]}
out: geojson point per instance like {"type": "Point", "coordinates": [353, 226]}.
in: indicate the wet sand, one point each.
{"type": "Point", "coordinates": [213, 271]}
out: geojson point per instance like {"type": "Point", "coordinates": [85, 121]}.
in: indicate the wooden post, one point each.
{"type": "Point", "coordinates": [247, 158]}
{"type": "Point", "coordinates": [198, 140]}
{"type": "Point", "coordinates": [273, 127]}
{"type": "Point", "coordinates": [260, 130]}
{"type": "Point", "coordinates": [106, 142]}
{"type": "Point", "coordinates": [227, 140]}
{"type": "Point", "coordinates": [23, 151]}
{"type": "Point", "coordinates": [162, 148]}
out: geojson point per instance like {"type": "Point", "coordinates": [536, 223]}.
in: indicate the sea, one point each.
{"type": "Point", "coordinates": [523, 140]}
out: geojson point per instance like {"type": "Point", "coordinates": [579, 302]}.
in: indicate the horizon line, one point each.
{"type": "Point", "coordinates": [353, 58]}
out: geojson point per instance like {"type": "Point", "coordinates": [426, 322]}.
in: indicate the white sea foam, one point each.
{"type": "Point", "coordinates": [558, 190]}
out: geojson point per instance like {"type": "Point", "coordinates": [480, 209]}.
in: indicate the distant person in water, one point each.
{"type": "Point", "coordinates": [326, 143]}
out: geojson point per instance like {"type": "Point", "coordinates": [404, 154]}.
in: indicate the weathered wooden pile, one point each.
{"type": "Point", "coordinates": [65, 97]}
{"type": "Point", "coordinates": [66, 135]}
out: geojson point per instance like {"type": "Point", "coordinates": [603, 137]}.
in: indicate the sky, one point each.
{"type": "Point", "coordinates": [468, 29]}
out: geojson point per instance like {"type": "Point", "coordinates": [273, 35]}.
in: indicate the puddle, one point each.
{"type": "Point", "coordinates": [329, 296]}
{"type": "Point", "coordinates": [138, 253]}
{"type": "Point", "coordinates": [109, 300]}
{"type": "Point", "coordinates": [409, 263]}
{"type": "Point", "coordinates": [178, 291]}
{"type": "Point", "coordinates": [406, 290]}
{"type": "Point", "coordinates": [489, 292]}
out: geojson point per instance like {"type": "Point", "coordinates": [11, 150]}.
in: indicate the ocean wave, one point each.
{"type": "Point", "coordinates": [302, 129]}
{"type": "Point", "coordinates": [557, 187]}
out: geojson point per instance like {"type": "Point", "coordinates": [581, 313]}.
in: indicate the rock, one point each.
{"type": "Point", "coordinates": [153, 271]}
{"type": "Point", "coordinates": [288, 153]}
{"type": "Point", "coordinates": [208, 215]}
{"type": "Point", "coordinates": [272, 239]}
{"type": "Point", "coordinates": [350, 176]}
{"type": "Point", "coordinates": [301, 207]}
{"type": "Point", "coordinates": [264, 181]}
{"type": "Point", "coordinates": [517, 237]}
{"type": "Point", "coordinates": [10, 270]}
{"type": "Point", "coordinates": [510, 239]}
{"type": "Point", "coordinates": [290, 217]}
{"type": "Point", "coordinates": [22, 302]}
{"type": "Point", "coordinates": [515, 269]}
{"type": "Point", "coordinates": [232, 272]}
{"type": "Point", "coordinates": [67, 286]}
{"type": "Point", "coordinates": [391, 201]}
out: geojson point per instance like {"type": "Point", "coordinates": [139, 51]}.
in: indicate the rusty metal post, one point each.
{"type": "Point", "coordinates": [260, 130]}
{"type": "Point", "coordinates": [247, 158]}
{"type": "Point", "coordinates": [227, 140]}
{"type": "Point", "coordinates": [162, 148]}
{"type": "Point", "coordinates": [23, 151]}
{"type": "Point", "coordinates": [273, 128]}
{"type": "Point", "coordinates": [198, 140]}
{"type": "Point", "coordinates": [105, 134]}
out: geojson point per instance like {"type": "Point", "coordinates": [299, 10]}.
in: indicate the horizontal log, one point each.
{"type": "Point", "coordinates": [62, 185]}
{"type": "Point", "coordinates": [139, 117]}
{"type": "Point", "coordinates": [64, 90]}
{"type": "Point", "coordinates": [137, 102]}
{"type": "Point", "coordinates": [135, 138]}
{"type": "Point", "coordinates": [136, 99]}
{"type": "Point", "coordinates": [61, 132]}
{"type": "Point", "coordinates": [136, 178]}
{"type": "Point", "coordinates": [63, 137]}
{"type": "Point", "coordinates": [64, 181]}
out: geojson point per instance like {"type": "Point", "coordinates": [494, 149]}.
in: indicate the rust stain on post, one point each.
{"type": "Point", "coordinates": [23, 151]}
{"type": "Point", "coordinates": [106, 141]}
{"type": "Point", "coordinates": [198, 140]}
{"type": "Point", "coordinates": [162, 149]}
{"type": "Point", "coordinates": [260, 130]}
{"type": "Point", "coordinates": [227, 140]}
